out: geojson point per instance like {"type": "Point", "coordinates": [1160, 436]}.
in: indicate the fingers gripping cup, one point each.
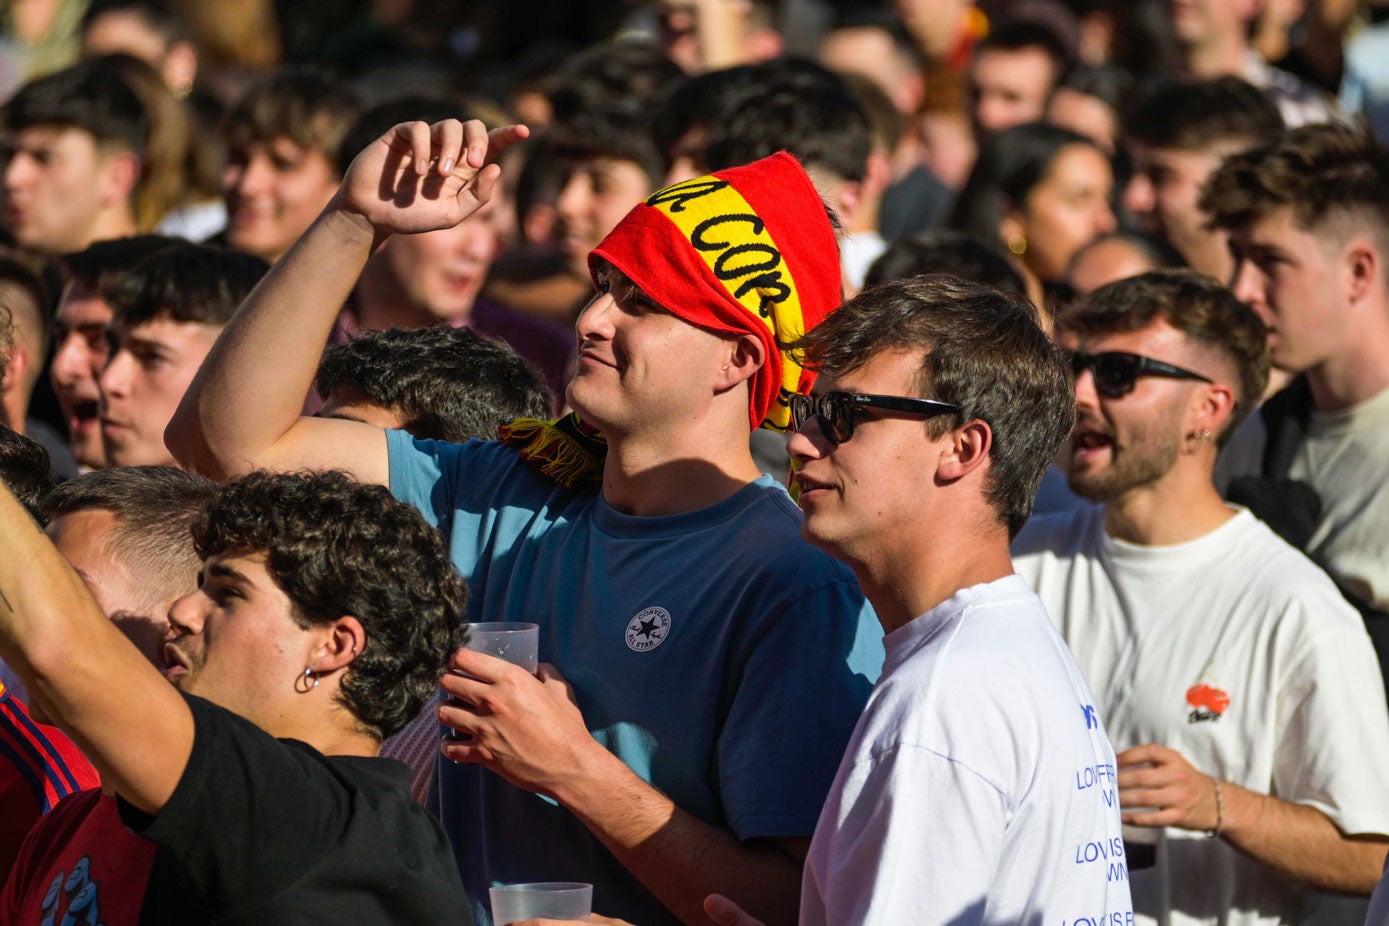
{"type": "Point", "coordinates": [556, 900]}
{"type": "Point", "coordinates": [518, 644]}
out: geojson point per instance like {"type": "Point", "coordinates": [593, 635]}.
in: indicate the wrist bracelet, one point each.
{"type": "Point", "coordinates": [1219, 810]}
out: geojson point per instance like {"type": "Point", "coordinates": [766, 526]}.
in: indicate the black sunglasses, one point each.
{"type": "Point", "coordinates": [1116, 372]}
{"type": "Point", "coordinates": [838, 410]}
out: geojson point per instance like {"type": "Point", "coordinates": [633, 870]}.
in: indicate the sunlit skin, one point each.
{"type": "Point", "coordinates": [597, 195]}
{"type": "Point", "coordinates": [80, 349]}
{"type": "Point", "coordinates": [1105, 261]}
{"type": "Point", "coordinates": [146, 377]}
{"type": "Point", "coordinates": [1063, 212]}
{"type": "Point", "coordinates": [62, 191]}
{"type": "Point", "coordinates": [1009, 87]}
{"type": "Point", "coordinates": [1166, 198]}
{"type": "Point", "coordinates": [349, 405]}
{"type": "Point", "coordinates": [1085, 115]}
{"type": "Point", "coordinates": [274, 192]}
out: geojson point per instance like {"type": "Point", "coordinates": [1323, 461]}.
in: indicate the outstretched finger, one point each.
{"type": "Point", "coordinates": [498, 140]}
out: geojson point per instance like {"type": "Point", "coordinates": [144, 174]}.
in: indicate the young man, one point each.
{"type": "Point", "coordinates": [1239, 686]}
{"type": "Point", "coordinates": [1014, 70]}
{"type": "Point", "coordinates": [978, 786]}
{"type": "Point", "coordinates": [1177, 135]}
{"type": "Point", "coordinates": [1308, 220]}
{"type": "Point", "coordinates": [80, 347]}
{"type": "Point", "coordinates": [168, 313]}
{"type": "Point", "coordinates": [74, 144]}
{"type": "Point", "coordinates": [324, 613]}
{"type": "Point", "coordinates": [668, 576]}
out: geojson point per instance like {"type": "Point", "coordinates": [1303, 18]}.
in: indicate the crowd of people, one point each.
{"type": "Point", "coordinates": [942, 444]}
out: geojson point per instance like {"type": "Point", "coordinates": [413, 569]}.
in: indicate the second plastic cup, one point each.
{"type": "Point", "coordinates": [556, 900]}
{"type": "Point", "coordinates": [517, 643]}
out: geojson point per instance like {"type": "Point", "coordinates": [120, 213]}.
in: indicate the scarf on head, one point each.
{"type": "Point", "coordinates": [749, 250]}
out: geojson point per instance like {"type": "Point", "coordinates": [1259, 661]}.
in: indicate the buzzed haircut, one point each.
{"type": "Point", "coordinates": [336, 547]}
{"type": "Point", "coordinates": [985, 352]}
{"type": "Point", "coordinates": [449, 384]}
{"type": "Point", "coordinates": [377, 120]}
{"type": "Point", "coordinates": [100, 268]}
{"type": "Point", "coordinates": [26, 468]}
{"type": "Point", "coordinates": [309, 107]}
{"type": "Point", "coordinates": [17, 270]}
{"type": "Point", "coordinates": [1323, 173]}
{"type": "Point", "coordinates": [187, 283]}
{"type": "Point", "coordinates": [952, 253]}
{"type": "Point", "coordinates": [1204, 311]}
{"type": "Point", "coordinates": [789, 104]}
{"type": "Point", "coordinates": [1203, 115]}
{"type": "Point", "coordinates": [155, 508]}
{"type": "Point", "coordinates": [92, 96]}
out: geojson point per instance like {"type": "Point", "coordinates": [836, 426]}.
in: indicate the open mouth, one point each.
{"type": "Point", "coordinates": [1088, 445]}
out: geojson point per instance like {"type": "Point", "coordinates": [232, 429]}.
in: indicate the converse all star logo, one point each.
{"type": "Point", "coordinates": [648, 629]}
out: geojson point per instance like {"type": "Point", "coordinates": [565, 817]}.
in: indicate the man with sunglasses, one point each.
{"type": "Point", "coordinates": [1231, 673]}
{"type": "Point", "coordinates": [978, 785]}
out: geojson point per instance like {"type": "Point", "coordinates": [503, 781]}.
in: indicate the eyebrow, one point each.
{"type": "Point", "coordinates": [223, 571]}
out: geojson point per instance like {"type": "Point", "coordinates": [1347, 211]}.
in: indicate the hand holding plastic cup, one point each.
{"type": "Point", "coordinates": [517, 643]}
{"type": "Point", "coordinates": [556, 900]}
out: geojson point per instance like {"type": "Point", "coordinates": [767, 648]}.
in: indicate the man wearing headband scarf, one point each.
{"type": "Point", "coordinates": [713, 663]}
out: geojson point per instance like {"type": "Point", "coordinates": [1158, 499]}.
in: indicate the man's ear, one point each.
{"type": "Point", "coordinates": [119, 174]}
{"type": "Point", "coordinates": [745, 357]}
{"type": "Point", "coordinates": [343, 642]}
{"type": "Point", "coordinates": [967, 450]}
{"type": "Point", "coordinates": [1213, 407]}
{"type": "Point", "coordinates": [1362, 266]}
{"type": "Point", "coordinates": [14, 373]}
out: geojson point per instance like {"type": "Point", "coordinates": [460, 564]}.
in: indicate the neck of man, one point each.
{"type": "Point", "coordinates": [665, 474]}
{"type": "Point", "coordinates": [1218, 56]}
{"type": "Point", "coordinates": [1355, 376]}
{"type": "Point", "coordinates": [903, 583]}
{"type": "Point", "coordinates": [1181, 506]}
{"type": "Point", "coordinates": [331, 728]}
{"type": "Point", "coordinates": [116, 222]}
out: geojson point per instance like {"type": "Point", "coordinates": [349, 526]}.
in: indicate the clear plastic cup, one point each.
{"type": "Point", "coordinates": [556, 900]}
{"type": "Point", "coordinates": [517, 643]}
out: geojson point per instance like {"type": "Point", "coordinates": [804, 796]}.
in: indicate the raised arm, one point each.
{"type": "Point", "coordinates": [131, 723]}
{"type": "Point", "coordinates": [242, 410]}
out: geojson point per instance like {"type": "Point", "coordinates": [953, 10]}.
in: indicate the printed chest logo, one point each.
{"type": "Point", "coordinates": [1207, 703]}
{"type": "Point", "coordinates": [648, 629]}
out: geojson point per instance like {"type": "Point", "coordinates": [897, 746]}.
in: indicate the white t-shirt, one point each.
{"type": "Point", "coordinates": [1238, 652]}
{"type": "Point", "coordinates": [978, 786]}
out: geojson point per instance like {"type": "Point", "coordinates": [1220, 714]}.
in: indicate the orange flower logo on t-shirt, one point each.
{"type": "Point", "coordinates": [1207, 703]}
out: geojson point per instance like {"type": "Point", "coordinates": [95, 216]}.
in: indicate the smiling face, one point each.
{"type": "Point", "coordinates": [1295, 282]}
{"type": "Point", "coordinates": [598, 194]}
{"type": "Point", "coordinates": [435, 276]}
{"type": "Point", "coordinates": [864, 497]}
{"type": "Point", "coordinates": [235, 641]}
{"type": "Point", "coordinates": [79, 354]}
{"type": "Point", "coordinates": [274, 192]}
{"type": "Point", "coordinates": [640, 366]}
{"type": "Point", "coordinates": [148, 373]}
{"type": "Point", "coordinates": [1131, 443]}
{"type": "Point", "coordinates": [1064, 211]}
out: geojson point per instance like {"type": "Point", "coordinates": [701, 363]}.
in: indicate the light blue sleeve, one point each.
{"type": "Point", "coordinates": [804, 683]}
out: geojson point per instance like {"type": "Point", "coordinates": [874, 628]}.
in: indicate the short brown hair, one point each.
{"type": "Point", "coordinates": [1321, 172]}
{"type": "Point", "coordinates": [985, 352]}
{"type": "Point", "coordinates": [1198, 307]}
{"type": "Point", "coordinates": [306, 106]}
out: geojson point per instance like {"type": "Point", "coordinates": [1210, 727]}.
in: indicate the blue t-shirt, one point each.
{"type": "Point", "coordinates": [719, 655]}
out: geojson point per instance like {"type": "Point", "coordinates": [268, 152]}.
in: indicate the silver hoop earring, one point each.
{"type": "Point", "coordinates": [306, 682]}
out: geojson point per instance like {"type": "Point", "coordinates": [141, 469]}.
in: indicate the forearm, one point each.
{"type": "Point", "coordinates": [81, 671]}
{"type": "Point", "coordinates": [1300, 842]}
{"type": "Point", "coordinates": [679, 858]}
{"type": "Point", "coordinates": [249, 392]}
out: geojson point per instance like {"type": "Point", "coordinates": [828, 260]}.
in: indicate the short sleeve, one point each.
{"type": "Point", "coordinates": [250, 789]}
{"type": "Point", "coordinates": [895, 851]}
{"type": "Point", "coordinates": [423, 473]}
{"type": "Point", "coordinates": [803, 686]}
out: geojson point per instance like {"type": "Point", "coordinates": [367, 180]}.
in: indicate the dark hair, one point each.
{"type": "Point", "coordinates": [951, 253]}
{"type": "Point", "coordinates": [627, 72]}
{"type": "Point", "coordinates": [793, 105]}
{"type": "Point", "coordinates": [337, 547]}
{"type": "Point", "coordinates": [26, 468]}
{"type": "Point", "coordinates": [1201, 115]}
{"type": "Point", "coordinates": [187, 283]}
{"type": "Point", "coordinates": [100, 268]}
{"type": "Point", "coordinates": [1321, 172]}
{"type": "Point", "coordinates": [1021, 34]}
{"type": "Point", "coordinates": [373, 123]}
{"type": "Point", "coordinates": [309, 107]}
{"type": "Point", "coordinates": [447, 383]}
{"type": "Point", "coordinates": [155, 14]}
{"type": "Point", "coordinates": [614, 130]}
{"type": "Point", "coordinates": [985, 351]}
{"type": "Point", "coordinates": [1010, 165]}
{"type": "Point", "coordinates": [92, 96]}
{"type": "Point", "coordinates": [155, 508]}
{"type": "Point", "coordinates": [1197, 306]}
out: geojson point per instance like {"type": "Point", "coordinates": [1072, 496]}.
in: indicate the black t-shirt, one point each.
{"type": "Point", "coordinates": [267, 831]}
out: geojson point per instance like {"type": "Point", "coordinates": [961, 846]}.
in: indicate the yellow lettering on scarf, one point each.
{"type": "Point", "coordinates": [734, 242]}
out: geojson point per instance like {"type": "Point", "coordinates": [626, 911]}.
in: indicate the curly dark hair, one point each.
{"type": "Point", "coordinates": [335, 547]}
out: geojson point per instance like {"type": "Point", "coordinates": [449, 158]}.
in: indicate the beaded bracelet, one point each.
{"type": "Point", "coordinates": [1219, 810]}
